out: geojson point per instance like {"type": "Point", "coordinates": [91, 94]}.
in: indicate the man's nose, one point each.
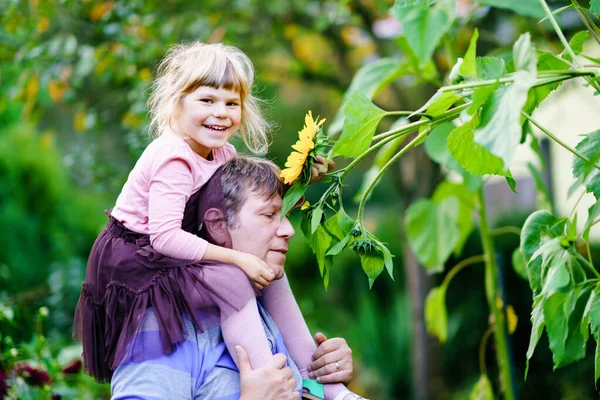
{"type": "Point", "coordinates": [286, 230]}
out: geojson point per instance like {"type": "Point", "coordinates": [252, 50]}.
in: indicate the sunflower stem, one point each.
{"type": "Point", "coordinates": [363, 199]}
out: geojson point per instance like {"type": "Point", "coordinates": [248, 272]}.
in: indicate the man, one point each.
{"type": "Point", "coordinates": [239, 208]}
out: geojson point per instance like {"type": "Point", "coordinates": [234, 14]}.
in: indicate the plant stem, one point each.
{"type": "Point", "coordinates": [506, 229]}
{"type": "Point", "coordinates": [585, 262]}
{"type": "Point", "coordinates": [542, 79]}
{"type": "Point", "coordinates": [491, 288]}
{"type": "Point", "coordinates": [565, 43]}
{"type": "Point", "coordinates": [557, 140]}
{"type": "Point", "coordinates": [482, 347]}
{"type": "Point", "coordinates": [461, 265]}
{"type": "Point", "coordinates": [589, 24]}
{"type": "Point", "coordinates": [363, 199]}
{"type": "Point", "coordinates": [574, 209]}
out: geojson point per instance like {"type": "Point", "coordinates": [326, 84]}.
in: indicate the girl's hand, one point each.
{"type": "Point", "coordinates": [320, 168]}
{"type": "Point", "coordinates": [257, 270]}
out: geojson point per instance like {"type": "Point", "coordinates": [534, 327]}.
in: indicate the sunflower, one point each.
{"type": "Point", "coordinates": [305, 144]}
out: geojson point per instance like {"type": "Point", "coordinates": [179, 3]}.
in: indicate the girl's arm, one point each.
{"type": "Point", "coordinates": [279, 301]}
{"type": "Point", "coordinates": [170, 189]}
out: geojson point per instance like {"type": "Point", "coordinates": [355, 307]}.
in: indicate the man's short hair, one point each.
{"type": "Point", "coordinates": [242, 175]}
{"type": "Point", "coordinates": [228, 188]}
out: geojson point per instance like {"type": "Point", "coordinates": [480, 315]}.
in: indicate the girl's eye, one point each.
{"type": "Point", "coordinates": [207, 101]}
{"type": "Point", "coordinates": [233, 104]}
{"type": "Point", "coordinates": [269, 215]}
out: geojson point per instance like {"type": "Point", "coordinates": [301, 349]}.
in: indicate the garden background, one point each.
{"type": "Point", "coordinates": [74, 78]}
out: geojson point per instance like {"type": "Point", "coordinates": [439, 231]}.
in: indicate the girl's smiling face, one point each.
{"type": "Point", "coordinates": [209, 117]}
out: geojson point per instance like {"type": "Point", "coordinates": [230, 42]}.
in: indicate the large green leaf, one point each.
{"type": "Point", "coordinates": [424, 25]}
{"type": "Point", "coordinates": [556, 321]}
{"type": "Point", "coordinates": [529, 8]}
{"type": "Point", "coordinates": [372, 264]}
{"type": "Point", "coordinates": [595, 7]}
{"type": "Point", "coordinates": [480, 96]}
{"type": "Point", "coordinates": [436, 316]}
{"type": "Point", "coordinates": [432, 231]}
{"type": "Point", "coordinates": [369, 80]}
{"type": "Point", "coordinates": [537, 327]}
{"type": "Point", "coordinates": [519, 263]}
{"type": "Point", "coordinates": [482, 389]}
{"type": "Point", "coordinates": [490, 67]}
{"type": "Point", "coordinates": [500, 128]}
{"type": "Point", "coordinates": [531, 234]}
{"type": "Point", "coordinates": [319, 242]}
{"type": "Point", "coordinates": [546, 62]}
{"type": "Point", "coordinates": [467, 68]}
{"type": "Point", "coordinates": [340, 224]}
{"type": "Point", "coordinates": [593, 214]}
{"type": "Point", "coordinates": [466, 206]}
{"type": "Point", "coordinates": [292, 196]}
{"type": "Point", "coordinates": [576, 44]}
{"type": "Point", "coordinates": [361, 120]}
{"type": "Point", "coordinates": [586, 172]}
{"type": "Point", "coordinates": [472, 156]}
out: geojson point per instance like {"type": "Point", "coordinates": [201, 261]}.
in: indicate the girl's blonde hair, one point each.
{"type": "Point", "coordinates": [186, 67]}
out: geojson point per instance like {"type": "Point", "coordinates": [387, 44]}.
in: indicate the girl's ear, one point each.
{"type": "Point", "coordinates": [216, 225]}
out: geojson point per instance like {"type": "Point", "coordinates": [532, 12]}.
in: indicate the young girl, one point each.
{"type": "Point", "coordinates": [200, 99]}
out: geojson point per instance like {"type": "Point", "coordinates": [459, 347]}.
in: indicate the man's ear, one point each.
{"type": "Point", "coordinates": [216, 225]}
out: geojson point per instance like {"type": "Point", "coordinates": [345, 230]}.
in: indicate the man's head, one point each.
{"type": "Point", "coordinates": [240, 208]}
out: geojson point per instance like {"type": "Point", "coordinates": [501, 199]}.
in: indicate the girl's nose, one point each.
{"type": "Point", "coordinates": [220, 110]}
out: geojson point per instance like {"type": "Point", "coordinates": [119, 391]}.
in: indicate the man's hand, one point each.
{"type": "Point", "coordinates": [257, 270]}
{"type": "Point", "coordinates": [320, 168]}
{"type": "Point", "coordinates": [332, 361]}
{"type": "Point", "coordinates": [274, 381]}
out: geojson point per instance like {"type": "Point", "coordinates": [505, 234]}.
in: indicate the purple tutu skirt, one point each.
{"type": "Point", "coordinates": [125, 276]}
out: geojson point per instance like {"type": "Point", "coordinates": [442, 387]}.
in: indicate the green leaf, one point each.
{"type": "Point", "coordinates": [537, 327]}
{"type": "Point", "coordinates": [490, 68]}
{"type": "Point", "coordinates": [531, 234]}
{"type": "Point", "coordinates": [519, 263]}
{"type": "Point", "coordinates": [585, 172]}
{"type": "Point", "coordinates": [291, 198]}
{"type": "Point", "coordinates": [432, 232]}
{"type": "Point", "coordinates": [369, 80]}
{"type": "Point", "coordinates": [500, 130]}
{"type": "Point", "coordinates": [372, 264]}
{"type": "Point", "coordinates": [436, 316]}
{"type": "Point", "coordinates": [362, 118]}
{"type": "Point", "coordinates": [466, 206]}
{"type": "Point", "coordinates": [482, 389]}
{"type": "Point", "coordinates": [436, 146]}
{"type": "Point", "coordinates": [480, 96]}
{"type": "Point", "coordinates": [340, 224]}
{"type": "Point", "coordinates": [528, 8]}
{"type": "Point", "coordinates": [315, 220]}
{"type": "Point", "coordinates": [341, 245]}
{"type": "Point", "coordinates": [427, 73]}
{"type": "Point", "coordinates": [388, 261]}
{"type": "Point", "coordinates": [467, 67]}
{"type": "Point", "coordinates": [319, 242]}
{"type": "Point", "coordinates": [595, 7]}
{"type": "Point", "coordinates": [593, 214]}
{"type": "Point", "coordinates": [424, 25]}
{"type": "Point", "coordinates": [546, 62]}
{"type": "Point", "coordinates": [472, 156]}
{"type": "Point", "coordinates": [576, 44]}
{"type": "Point", "coordinates": [557, 323]}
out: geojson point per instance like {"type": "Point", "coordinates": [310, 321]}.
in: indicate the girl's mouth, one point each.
{"type": "Point", "coordinates": [215, 128]}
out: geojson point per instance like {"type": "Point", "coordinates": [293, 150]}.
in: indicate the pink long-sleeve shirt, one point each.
{"type": "Point", "coordinates": [153, 199]}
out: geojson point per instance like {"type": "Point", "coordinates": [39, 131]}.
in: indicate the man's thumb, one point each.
{"type": "Point", "coordinates": [242, 360]}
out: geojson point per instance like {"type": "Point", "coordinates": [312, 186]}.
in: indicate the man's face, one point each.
{"type": "Point", "coordinates": [261, 231]}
